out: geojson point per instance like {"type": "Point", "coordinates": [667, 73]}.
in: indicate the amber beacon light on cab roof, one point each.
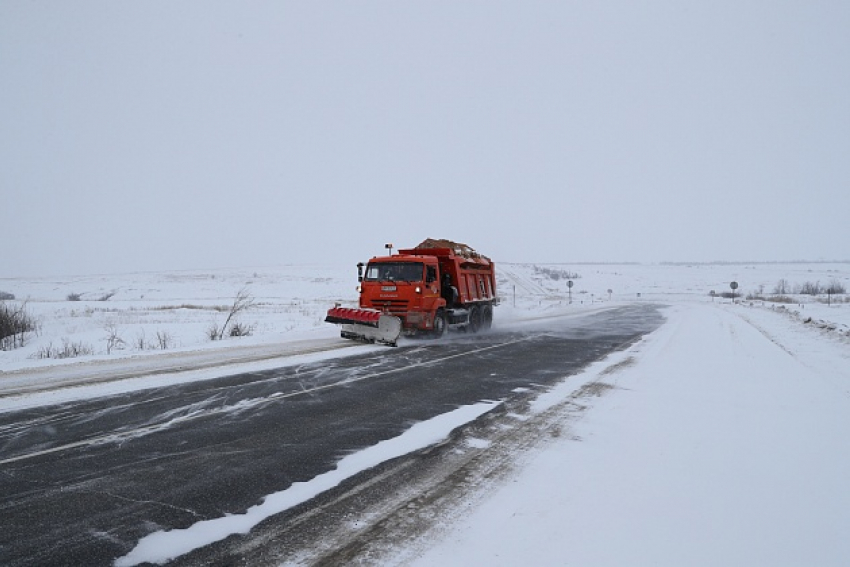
{"type": "Point", "coordinates": [426, 290]}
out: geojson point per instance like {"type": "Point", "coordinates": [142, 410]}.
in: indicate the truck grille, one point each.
{"type": "Point", "coordinates": [396, 306]}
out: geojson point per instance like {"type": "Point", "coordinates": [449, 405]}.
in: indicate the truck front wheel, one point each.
{"type": "Point", "coordinates": [440, 324]}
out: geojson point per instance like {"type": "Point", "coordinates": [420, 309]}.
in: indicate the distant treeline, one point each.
{"type": "Point", "coordinates": [760, 262]}
{"type": "Point", "coordinates": [590, 264]}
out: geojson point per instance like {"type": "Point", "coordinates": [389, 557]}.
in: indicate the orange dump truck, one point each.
{"type": "Point", "coordinates": [424, 290]}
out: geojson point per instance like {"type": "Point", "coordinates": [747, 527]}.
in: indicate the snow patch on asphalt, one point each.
{"type": "Point", "coordinates": [163, 546]}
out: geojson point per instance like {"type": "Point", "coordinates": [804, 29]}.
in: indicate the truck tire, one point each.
{"type": "Point", "coordinates": [475, 319]}
{"type": "Point", "coordinates": [486, 317]}
{"type": "Point", "coordinates": [440, 325]}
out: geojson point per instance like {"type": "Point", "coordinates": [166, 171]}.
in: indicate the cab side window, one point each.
{"type": "Point", "coordinates": [430, 274]}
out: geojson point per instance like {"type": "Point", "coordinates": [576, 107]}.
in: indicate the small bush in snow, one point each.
{"type": "Point", "coordinates": [241, 302]}
{"type": "Point", "coordinates": [809, 288]}
{"type": "Point", "coordinates": [816, 288]}
{"type": "Point", "coordinates": [4, 296]}
{"type": "Point", "coordinates": [15, 323]}
{"type": "Point", "coordinates": [782, 287]}
{"type": "Point", "coordinates": [241, 330]}
{"type": "Point", "coordinates": [163, 340]}
{"type": "Point", "coordinates": [113, 340]}
{"type": "Point", "coordinates": [68, 350]}
{"type": "Point", "coordinates": [74, 296]}
{"type": "Point", "coordinates": [212, 332]}
{"type": "Point", "coordinates": [834, 287]}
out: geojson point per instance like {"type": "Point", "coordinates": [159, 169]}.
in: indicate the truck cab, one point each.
{"type": "Point", "coordinates": [407, 286]}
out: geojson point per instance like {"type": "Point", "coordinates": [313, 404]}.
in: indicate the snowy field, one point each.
{"type": "Point", "coordinates": [143, 314]}
{"type": "Point", "coordinates": [721, 439]}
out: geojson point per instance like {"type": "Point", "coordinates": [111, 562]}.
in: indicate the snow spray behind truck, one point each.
{"type": "Point", "coordinates": [438, 285]}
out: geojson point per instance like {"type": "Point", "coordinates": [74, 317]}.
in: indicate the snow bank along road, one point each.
{"type": "Point", "coordinates": [84, 482]}
{"type": "Point", "coordinates": [724, 442]}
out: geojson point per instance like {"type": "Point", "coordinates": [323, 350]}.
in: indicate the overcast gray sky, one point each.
{"type": "Point", "coordinates": [160, 135]}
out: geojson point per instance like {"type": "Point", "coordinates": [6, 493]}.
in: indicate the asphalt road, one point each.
{"type": "Point", "coordinates": [82, 482]}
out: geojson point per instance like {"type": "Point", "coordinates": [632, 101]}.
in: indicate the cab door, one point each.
{"type": "Point", "coordinates": [431, 297]}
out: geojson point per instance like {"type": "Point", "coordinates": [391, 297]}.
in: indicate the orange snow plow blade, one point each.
{"type": "Point", "coordinates": [368, 325]}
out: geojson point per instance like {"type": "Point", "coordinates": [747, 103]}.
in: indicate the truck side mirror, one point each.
{"type": "Point", "coordinates": [360, 271]}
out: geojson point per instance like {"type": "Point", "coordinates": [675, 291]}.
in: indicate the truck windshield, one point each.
{"type": "Point", "coordinates": [395, 271]}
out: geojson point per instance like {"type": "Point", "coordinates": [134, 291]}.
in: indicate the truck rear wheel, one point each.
{"type": "Point", "coordinates": [474, 319]}
{"type": "Point", "coordinates": [486, 317]}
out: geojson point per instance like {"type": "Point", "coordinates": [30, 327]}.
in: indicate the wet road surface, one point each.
{"type": "Point", "coordinates": [82, 482]}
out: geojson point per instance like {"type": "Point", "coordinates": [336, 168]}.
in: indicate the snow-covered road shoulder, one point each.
{"type": "Point", "coordinates": [723, 443]}
{"type": "Point", "coordinates": [92, 379]}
